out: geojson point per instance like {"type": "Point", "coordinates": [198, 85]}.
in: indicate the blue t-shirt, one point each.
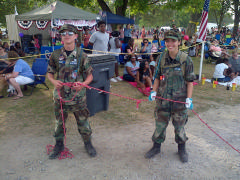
{"type": "Point", "coordinates": [23, 68]}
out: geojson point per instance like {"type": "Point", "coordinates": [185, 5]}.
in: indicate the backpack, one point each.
{"type": "Point", "coordinates": [162, 58]}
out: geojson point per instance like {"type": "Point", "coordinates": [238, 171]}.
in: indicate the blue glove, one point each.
{"type": "Point", "coordinates": [189, 104]}
{"type": "Point", "coordinates": [152, 96]}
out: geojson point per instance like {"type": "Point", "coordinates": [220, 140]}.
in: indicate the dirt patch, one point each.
{"type": "Point", "coordinates": [121, 151]}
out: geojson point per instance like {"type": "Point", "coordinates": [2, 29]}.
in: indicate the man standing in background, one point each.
{"type": "Point", "coordinates": [99, 40]}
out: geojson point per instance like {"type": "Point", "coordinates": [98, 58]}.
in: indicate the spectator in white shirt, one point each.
{"type": "Point", "coordinates": [115, 48]}
{"type": "Point", "coordinates": [99, 39]}
{"type": "Point", "coordinates": [220, 74]}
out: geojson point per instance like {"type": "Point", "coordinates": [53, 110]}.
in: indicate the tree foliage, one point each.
{"type": "Point", "coordinates": [222, 7]}
{"type": "Point", "coordinates": [8, 7]}
{"type": "Point", "coordinates": [147, 12]}
{"type": "Point", "coordinates": [236, 9]}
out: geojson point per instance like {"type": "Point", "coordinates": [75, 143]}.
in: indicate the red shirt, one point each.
{"type": "Point", "coordinates": [86, 39]}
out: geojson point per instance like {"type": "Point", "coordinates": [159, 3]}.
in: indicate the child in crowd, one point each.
{"type": "Point", "coordinates": [144, 77]}
{"type": "Point", "coordinates": [114, 46]}
{"type": "Point", "coordinates": [36, 44]}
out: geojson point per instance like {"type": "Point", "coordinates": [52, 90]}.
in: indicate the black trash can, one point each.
{"type": "Point", "coordinates": [103, 70]}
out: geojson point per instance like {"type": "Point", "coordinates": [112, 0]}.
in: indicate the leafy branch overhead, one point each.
{"type": "Point", "coordinates": [146, 12]}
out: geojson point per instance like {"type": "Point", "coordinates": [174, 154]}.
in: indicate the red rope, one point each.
{"type": "Point", "coordinates": [67, 154]}
{"type": "Point", "coordinates": [138, 101]}
{"type": "Point", "coordinates": [215, 132]}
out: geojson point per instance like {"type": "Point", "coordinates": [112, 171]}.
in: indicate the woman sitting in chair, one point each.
{"type": "Point", "coordinates": [21, 75]}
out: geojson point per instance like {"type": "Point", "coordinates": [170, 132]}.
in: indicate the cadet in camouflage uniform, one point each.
{"type": "Point", "coordinates": [69, 63]}
{"type": "Point", "coordinates": [174, 80]}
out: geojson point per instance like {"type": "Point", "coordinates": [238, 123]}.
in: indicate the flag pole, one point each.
{"type": "Point", "coordinates": [203, 32]}
{"type": "Point", "coordinates": [201, 62]}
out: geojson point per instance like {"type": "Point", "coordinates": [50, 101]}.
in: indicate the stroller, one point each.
{"type": "Point", "coordinates": [210, 55]}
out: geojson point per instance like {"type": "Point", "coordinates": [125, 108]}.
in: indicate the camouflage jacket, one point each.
{"type": "Point", "coordinates": [68, 70]}
{"type": "Point", "coordinates": [173, 75]}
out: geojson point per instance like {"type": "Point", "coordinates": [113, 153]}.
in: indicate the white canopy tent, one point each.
{"type": "Point", "coordinates": [42, 20]}
{"type": "Point", "coordinates": [12, 28]}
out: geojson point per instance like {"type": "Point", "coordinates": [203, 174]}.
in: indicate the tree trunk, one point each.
{"type": "Point", "coordinates": [104, 6]}
{"type": "Point", "coordinates": [236, 19]}
{"type": "Point", "coordinates": [121, 10]}
{"type": "Point", "coordinates": [221, 20]}
{"type": "Point", "coordinates": [192, 26]}
{"type": "Point", "coordinates": [216, 17]}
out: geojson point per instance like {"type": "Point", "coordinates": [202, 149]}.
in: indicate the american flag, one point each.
{"type": "Point", "coordinates": [204, 21]}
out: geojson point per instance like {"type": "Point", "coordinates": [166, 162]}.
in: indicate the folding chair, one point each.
{"type": "Point", "coordinates": [39, 68]}
{"type": "Point", "coordinates": [122, 59]}
{"type": "Point", "coordinates": [162, 46]}
{"type": "Point", "coordinates": [227, 43]}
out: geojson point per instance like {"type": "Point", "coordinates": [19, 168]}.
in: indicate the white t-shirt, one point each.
{"type": "Point", "coordinates": [100, 42]}
{"type": "Point", "coordinates": [219, 69]}
{"type": "Point", "coordinates": [113, 47]}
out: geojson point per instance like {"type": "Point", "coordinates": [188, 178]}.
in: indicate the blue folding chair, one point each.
{"type": "Point", "coordinates": [39, 68]}
{"type": "Point", "coordinates": [156, 43]}
{"type": "Point", "coordinates": [121, 56]}
{"type": "Point", "coordinates": [162, 46]}
{"type": "Point", "coordinates": [218, 37]}
{"type": "Point", "coordinates": [227, 43]}
{"type": "Point", "coordinates": [206, 50]}
{"type": "Point", "coordinates": [228, 40]}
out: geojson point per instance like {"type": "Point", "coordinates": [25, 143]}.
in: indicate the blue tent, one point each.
{"type": "Point", "coordinates": [111, 18]}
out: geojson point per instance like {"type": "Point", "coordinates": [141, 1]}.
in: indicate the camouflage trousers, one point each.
{"type": "Point", "coordinates": [163, 114]}
{"type": "Point", "coordinates": [81, 114]}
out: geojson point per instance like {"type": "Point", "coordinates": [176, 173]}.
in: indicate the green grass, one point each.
{"type": "Point", "coordinates": [34, 114]}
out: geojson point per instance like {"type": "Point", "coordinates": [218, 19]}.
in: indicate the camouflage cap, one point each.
{"type": "Point", "coordinates": [172, 35]}
{"type": "Point", "coordinates": [68, 27]}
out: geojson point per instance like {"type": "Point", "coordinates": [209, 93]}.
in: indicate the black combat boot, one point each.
{"type": "Point", "coordinates": [182, 153]}
{"type": "Point", "coordinates": [90, 149]}
{"type": "Point", "coordinates": [58, 148]}
{"type": "Point", "coordinates": [153, 151]}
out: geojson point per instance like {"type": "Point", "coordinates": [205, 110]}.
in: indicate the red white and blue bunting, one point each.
{"type": "Point", "coordinates": [56, 23]}
{"type": "Point", "coordinates": [42, 24]}
{"type": "Point", "coordinates": [78, 23]}
{"type": "Point", "coordinates": [25, 24]}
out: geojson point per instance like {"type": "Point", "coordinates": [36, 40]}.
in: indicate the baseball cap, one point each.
{"type": "Point", "coordinates": [172, 35]}
{"type": "Point", "coordinates": [68, 27]}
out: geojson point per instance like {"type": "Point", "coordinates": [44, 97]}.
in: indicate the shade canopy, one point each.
{"type": "Point", "coordinates": [111, 18]}
{"type": "Point", "coordinates": [57, 10]}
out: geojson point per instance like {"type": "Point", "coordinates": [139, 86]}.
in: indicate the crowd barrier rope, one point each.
{"type": "Point", "coordinates": [67, 154]}
{"type": "Point", "coordinates": [103, 52]}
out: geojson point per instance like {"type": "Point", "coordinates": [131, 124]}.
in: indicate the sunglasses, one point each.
{"type": "Point", "coordinates": [69, 33]}
{"type": "Point", "coordinates": [145, 42]}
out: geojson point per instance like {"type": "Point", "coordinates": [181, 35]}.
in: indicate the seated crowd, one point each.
{"type": "Point", "coordinates": [139, 62]}
{"type": "Point", "coordinates": [227, 68]}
